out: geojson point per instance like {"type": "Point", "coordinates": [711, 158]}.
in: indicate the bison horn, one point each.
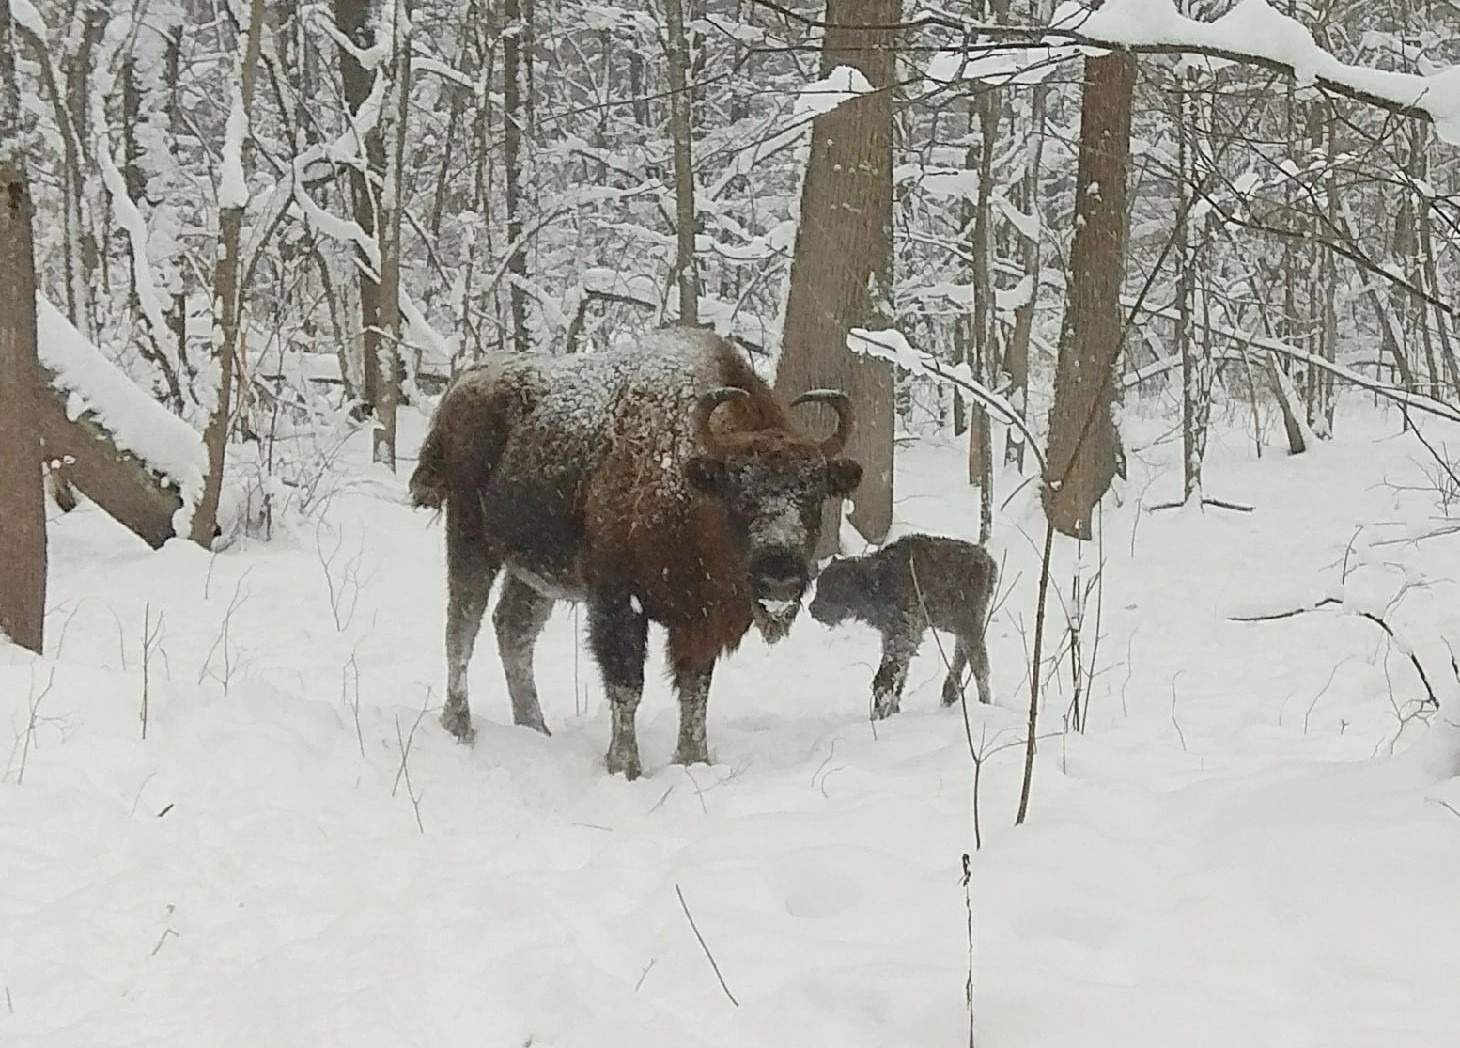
{"type": "Point", "coordinates": [842, 405]}
{"type": "Point", "coordinates": [704, 408]}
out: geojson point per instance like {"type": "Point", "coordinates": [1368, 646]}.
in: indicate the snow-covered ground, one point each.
{"type": "Point", "coordinates": [1235, 852]}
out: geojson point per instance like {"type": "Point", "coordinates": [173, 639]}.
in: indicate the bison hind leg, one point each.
{"type": "Point", "coordinates": [978, 655]}
{"type": "Point", "coordinates": [519, 617]}
{"type": "Point", "coordinates": [692, 654]}
{"type": "Point", "coordinates": [953, 685]}
{"type": "Point", "coordinates": [470, 570]}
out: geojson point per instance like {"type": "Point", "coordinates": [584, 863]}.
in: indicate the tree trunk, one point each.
{"type": "Point", "coordinates": [516, 97]}
{"type": "Point", "coordinates": [22, 496]}
{"type": "Point", "coordinates": [1016, 357]}
{"type": "Point", "coordinates": [1083, 450]}
{"type": "Point", "coordinates": [1196, 374]}
{"type": "Point", "coordinates": [841, 267]}
{"type": "Point", "coordinates": [681, 129]}
{"type": "Point", "coordinates": [352, 18]}
{"type": "Point", "coordinates": [393, 132]}
{"type": "Point", "coordinates": [227, 293]}
{"type": "Point", "coordinates": [985, 358]}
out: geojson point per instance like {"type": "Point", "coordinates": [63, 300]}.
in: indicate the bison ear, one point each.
{"type": "Point", "coordinates": [842, 475]}
{"type": "Point", "coordinates": [706, 475]}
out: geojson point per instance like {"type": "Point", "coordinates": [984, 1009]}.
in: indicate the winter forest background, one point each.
{"type": "Point", "coordinates": [1171, 327]}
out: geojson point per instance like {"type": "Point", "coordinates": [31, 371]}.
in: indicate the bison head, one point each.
{"type": "Point", "coordinates": [844, 590]}
{"type": "Point", "coordinates": [773, 484]}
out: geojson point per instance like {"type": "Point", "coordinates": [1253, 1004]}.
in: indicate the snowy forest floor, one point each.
{"type": "Point", "coordinates": [1234, 852]}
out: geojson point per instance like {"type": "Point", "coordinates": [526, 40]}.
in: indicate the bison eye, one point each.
{"type": "Point", "coordinates": [706, 475]}
{"type": "Point", "coordinates": [842, 476]}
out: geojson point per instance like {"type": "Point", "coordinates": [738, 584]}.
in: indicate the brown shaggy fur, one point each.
{"type": "Point", "coordinates": [585, 479]}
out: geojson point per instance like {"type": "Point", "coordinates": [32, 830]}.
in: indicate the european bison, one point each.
{"type": "Point", "coordinates": [661, 483]}
{"type": "Point", "coordinates": [917, 582]}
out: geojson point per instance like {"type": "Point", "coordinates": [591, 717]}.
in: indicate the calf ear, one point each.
{"type": "Point", "coordinates": [842, 476]}
{"type": "Point", "coordinates": [705, 475]}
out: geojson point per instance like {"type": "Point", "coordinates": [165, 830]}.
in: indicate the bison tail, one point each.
{"type": "Point", "coordinates": [429, 485]}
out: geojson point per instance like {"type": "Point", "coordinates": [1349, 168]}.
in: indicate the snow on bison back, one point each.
{"type": "Point", "coordinates": [664, 482]}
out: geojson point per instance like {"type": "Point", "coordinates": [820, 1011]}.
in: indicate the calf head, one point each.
{"type": "Point", "coordinates": [845, 590]}
{"type": "Point", "coordinates": [773, 484]}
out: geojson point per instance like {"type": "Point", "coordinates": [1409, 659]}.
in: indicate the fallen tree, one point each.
{"type": "Point", "coordinates": [128, 454]}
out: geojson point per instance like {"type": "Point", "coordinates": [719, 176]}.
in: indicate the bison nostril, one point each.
{"type": "Point", "coordinates": [778, 574]}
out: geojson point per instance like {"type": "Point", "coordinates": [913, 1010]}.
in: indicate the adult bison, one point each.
{"type": "Point", "coordinates": [661, 483]}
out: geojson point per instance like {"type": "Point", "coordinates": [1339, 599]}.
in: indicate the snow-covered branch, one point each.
{"type": "Point", "coordinates": [1252, 33]}
{"type": "Point", "coordinates": [893, 346]}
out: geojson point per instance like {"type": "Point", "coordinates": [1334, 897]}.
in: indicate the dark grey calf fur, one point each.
{"type": "Point", "coordinates": [917, 582]}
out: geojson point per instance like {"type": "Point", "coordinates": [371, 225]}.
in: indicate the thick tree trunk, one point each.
{"type": "Point", "coordinates": [841, 268]}
{"type": "Point", "coordinates": [1083, 450]}
{"type": "Point", "coordinates": [22, 498]}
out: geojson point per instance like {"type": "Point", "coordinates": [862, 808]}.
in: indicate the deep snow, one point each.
{"type": "Point", "coordinates": [1228, 856]}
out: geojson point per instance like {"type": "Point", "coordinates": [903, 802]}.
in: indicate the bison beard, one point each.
{"type": "Point", "coordinates": [663, 483]}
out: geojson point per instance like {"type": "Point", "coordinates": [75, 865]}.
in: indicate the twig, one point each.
{"type": "Point", "coordinates": [711, 957]}
{"type": "Point", "coordinates": [350, 674]}
{"type": "Point", "coordinates": [1040, 610]}
{"type": "Point", "coordinates": [968, 907]}
{"type": "Point", "coordinates": [1424, 677]}
{"type": "Point", "coordinates": [34, 705]}
{"type": "Point", "coordinates": [150, 635]}
{"type": "Point", "coordinates": [404, 771]}
{"type": "Point", "coordinates": [1174, 722]}
{"type": "Point", "coordinates": [223, 638]}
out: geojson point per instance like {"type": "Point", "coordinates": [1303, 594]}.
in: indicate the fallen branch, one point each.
{"type": "Point", "coordinates": [711, 957]}
{"type": "Point", "coordinates": [1377, 620]}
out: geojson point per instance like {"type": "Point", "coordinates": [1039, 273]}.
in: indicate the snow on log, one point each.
{"type": "Point", "coordinates": [136, 460]}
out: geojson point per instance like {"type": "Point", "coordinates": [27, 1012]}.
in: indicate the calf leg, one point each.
{"type": "Point", "coordinates": [953, 686]}
{"type": "Point", "coordinates": [519, 617]}
{"type": "Point", "coordinates": [978, 655]}
{"type": "Point", "coordinates": [898, 648]}
{"type": "Point", "coordinates": [618, 633]}
{"type": "Point", "coordinates": [469, 573]}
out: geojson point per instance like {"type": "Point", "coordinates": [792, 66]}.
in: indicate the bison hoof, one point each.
{"type": "Point", "coordinates": [692, 754]}
{"type": "Point", "coordinates": [536, 724]}
{"type": "Point", "coordinates": [950, 696]}
{"type": "Point", "coordinates": [457, 720]}
{"type": "Point", "coordinates": [625, 764]}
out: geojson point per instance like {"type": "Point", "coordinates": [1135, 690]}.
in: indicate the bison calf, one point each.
{"type": "Point", "coordinates": [917, 582]}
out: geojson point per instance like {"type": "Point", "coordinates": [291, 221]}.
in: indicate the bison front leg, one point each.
{"type": "Point", "coordinates": [519, 617]}
{"type": "Point", "coordinates": [469, 573]}
{"type": "Point", "coordinates": [692, 653]}
{"type": "Point", "coordinates": [898, 649]}
{"type": "Point", "coordinates": [618, 631]}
